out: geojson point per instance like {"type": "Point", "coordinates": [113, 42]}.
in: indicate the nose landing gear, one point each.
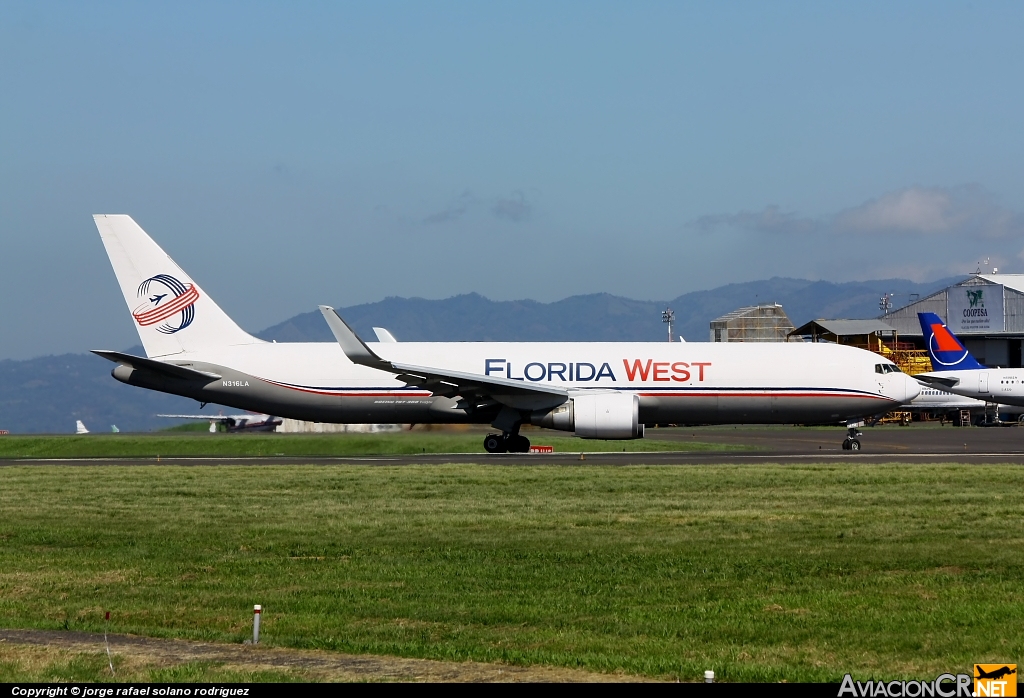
{"type": "Point", "coordinates": [851, 442]}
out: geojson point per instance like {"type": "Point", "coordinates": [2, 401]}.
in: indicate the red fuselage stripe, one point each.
{"type": "Point", "coordinates": [767, 393]}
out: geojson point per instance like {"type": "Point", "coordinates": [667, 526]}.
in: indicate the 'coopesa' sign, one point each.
{"type": "Point", "coordinates": [975, 309]}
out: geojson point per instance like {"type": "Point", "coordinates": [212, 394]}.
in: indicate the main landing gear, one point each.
{"type": "Point", "coordinates": [851, 442]}
{"type": "Point", "coordinates": [512, 443]}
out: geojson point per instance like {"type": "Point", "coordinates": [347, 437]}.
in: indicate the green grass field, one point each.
{"type": "Point", "coordinates": [758, 572]}
{"type": "Point", "coordinates": [243, 445]}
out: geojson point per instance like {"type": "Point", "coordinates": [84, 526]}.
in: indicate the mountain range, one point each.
{"type": "Point", "coordinates": [47, 394]}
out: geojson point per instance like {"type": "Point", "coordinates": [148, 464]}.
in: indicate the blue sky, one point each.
{"type": "Point", "coordinates": [290, 154]}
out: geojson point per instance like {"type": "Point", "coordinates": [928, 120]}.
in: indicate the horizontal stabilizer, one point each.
{"type": "Point", "coordinates": [934, 381]}
{"type": "Point", "coordinates": [218, 417]}
{"type": "Point", "coordinates": [166, 369]}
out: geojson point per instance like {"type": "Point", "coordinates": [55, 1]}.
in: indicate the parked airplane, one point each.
{"type": "Point", "coordinates": [936, 401]}
{"type": "Point", "coordinates": [596, 390]}
{"type": "Point", "coordinates": [954, 368]}
{"type": "Point", "coordinates": [80, 427]}
{"type": "Point", "coordinates": [234, 422]}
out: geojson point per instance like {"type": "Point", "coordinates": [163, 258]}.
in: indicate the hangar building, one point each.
{"type": "Point", "coordinates": [986, 311]}
{"type": "Point", "coordinates": [754, 323]}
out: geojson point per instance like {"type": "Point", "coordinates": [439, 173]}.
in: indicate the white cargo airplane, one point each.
{"type": "Point", "coordinates": [596, 390]}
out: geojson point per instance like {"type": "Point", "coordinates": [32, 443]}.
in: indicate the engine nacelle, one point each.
{"type": "Point", "coordinates": [599, 416]}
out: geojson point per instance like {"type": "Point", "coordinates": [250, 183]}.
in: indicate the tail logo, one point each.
{"type": "Point", "coordinates": [943, 341]}
{"type": "Point", "coordinates": [166, 297]}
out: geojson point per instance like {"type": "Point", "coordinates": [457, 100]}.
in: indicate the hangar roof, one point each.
{"type": "Point", "coordinates": [1014, 281]}
{"type": "Point", "coordinates": [905, 319]}
{"type": "Point", "coordinates": [843, 328]}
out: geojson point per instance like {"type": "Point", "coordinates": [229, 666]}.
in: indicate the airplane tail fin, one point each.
{"type": "Point", "coordinates": [944, 349]}
{"type": "Point", "coordinates": [80, 428]}
{"type": "Point", "coordinates": [171, 312]}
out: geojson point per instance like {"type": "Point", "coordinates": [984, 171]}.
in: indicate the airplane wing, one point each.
{"type": "Point", "coordinates": [513, 393]}
{"type": "Point", "coordinates": [166, 369]}
{"type": "Point", "coordinates": [932, 380]}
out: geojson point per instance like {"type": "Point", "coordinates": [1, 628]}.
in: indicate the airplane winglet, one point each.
{"type": "Point", "coordinates": [510, 392]}
{"type": "Point", "coordinates": [383, 336]}
{"type": "Point", "coordinates": [355, 349]}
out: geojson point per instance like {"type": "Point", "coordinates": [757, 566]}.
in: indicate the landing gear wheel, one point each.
{"type": "Point", "coordinates": [518, 444]}
{"type": "Point", "coordinates": [495, 443]}
{"type": "Point", "coordinates": [850, 443]}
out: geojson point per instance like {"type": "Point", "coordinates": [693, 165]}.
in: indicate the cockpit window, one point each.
{"type": "Point", "coordinates": [878, 368]}
{"type": "Point", "coordinates": [887, 368]}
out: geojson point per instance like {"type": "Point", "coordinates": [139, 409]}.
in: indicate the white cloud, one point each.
{"type": "Point", "coordinates": [934, 211]}
{"type": "Point", "coordinates": [911, 210]}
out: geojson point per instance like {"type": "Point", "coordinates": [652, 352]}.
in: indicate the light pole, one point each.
{"type": "Point", "coordinates": [668, 316]}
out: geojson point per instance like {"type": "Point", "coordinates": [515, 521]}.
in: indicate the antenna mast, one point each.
{"type": "Point", "coordinates": [669, 316]}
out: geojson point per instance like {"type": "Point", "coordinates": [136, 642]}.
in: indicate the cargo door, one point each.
{"type": "Point", "coordinates": [983, 381]}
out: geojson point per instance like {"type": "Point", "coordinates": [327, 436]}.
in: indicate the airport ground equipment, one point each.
{"type": "Point", "coordinates": [598, 390]}
{"type": "Point", "coordinates": [901, 417]}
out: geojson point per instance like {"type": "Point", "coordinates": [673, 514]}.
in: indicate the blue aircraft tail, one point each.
{"type": "Point", "coordinates": [944, 349]}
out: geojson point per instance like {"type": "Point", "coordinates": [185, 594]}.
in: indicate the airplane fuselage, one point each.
{"type": "Point", "coordinates": [937, 400]}
{"type": "Point", "coordinates": [1002, 385]}
{"type": "Point", "coordinates": [708, 383]}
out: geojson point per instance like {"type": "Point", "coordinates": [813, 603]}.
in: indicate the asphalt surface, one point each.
{"type": "Point", "coordinates": [918, 443]}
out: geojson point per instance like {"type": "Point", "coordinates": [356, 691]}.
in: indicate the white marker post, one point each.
{"type": "Point", "coordinates": [256, 611]}
{"type": "Point", "coordinates": [709, 676]}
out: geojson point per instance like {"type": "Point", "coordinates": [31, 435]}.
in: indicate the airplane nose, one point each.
{"type": "Point", "coordinates": [912, 387]}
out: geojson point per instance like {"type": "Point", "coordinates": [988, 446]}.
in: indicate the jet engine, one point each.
{"type": "Point", "coordinates": [599, 416]}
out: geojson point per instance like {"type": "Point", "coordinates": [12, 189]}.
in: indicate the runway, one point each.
{"type": "Point", "coordinates": [927, 443]}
